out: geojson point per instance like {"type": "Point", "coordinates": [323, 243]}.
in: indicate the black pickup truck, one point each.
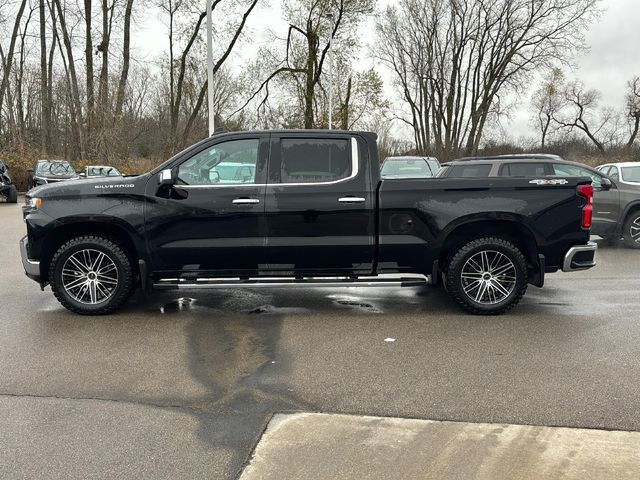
{"type": "Point", "coordinates": [301, 208]}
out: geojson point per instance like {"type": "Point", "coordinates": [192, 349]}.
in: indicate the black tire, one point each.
{"type": "Point", "coordinates": [496, 249]}
{"type": "Point", "coordinates": [630, 229]}
{"type": "Point", "coordinates": [12, 196]}
{"type": "Point", "coordinates": [119, 294]}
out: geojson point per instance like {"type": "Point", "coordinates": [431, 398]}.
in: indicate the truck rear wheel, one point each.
{"type": "Point", "coordinates": [632, 230]}
{"type": "Point", "coordinates": [487, 276]}
{"type": "Point", "coordinates": [91, 275]}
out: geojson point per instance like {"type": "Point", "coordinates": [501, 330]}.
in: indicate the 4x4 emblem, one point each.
{"type": "Point", "coordinates": [548, 181]}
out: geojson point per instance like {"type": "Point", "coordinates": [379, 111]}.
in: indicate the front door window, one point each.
{"type": "Point", "coordinates": [228, 163]}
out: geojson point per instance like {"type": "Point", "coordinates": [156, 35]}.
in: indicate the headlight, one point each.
{"type": "Point", "coordinates": [34, 202]}
{"type": "Point", "coordinates": [40, 180]}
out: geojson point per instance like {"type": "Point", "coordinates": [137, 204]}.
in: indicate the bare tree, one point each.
{"type": "Point", "coordinates": [453, 59]}
{"type": "Point", "coordinates": [108, 12]}
{"type": "Point", "coordinates": [7, 60]}
{"type": "Point", "coordinates": [360, 97]}
{"type": "Point", "coordinates": [179, 67]}
{"type": "Point", "coordinates": [301, 61]}
{"type": "Point", "coordinates": [88, 57]}
{"type": "Point", "coordinates": [581, 113]}
{"type": "Point", "coordinates": [126, 54]}
{"type": "Point", "coordinates": [547, 101]}
{"type": "Point", "coordinates": [74, 89]}
{"type": "Point", "coordinates": [45, 108]}
{"type": "Point", "coordinates": [633, 109]}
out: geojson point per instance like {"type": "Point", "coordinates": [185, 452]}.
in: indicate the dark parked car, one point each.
{"type": "Point", "coordinates": [616, 202]}
{"type": "Point", "coordinates": [409, 167]}
{"type": "Point", "coordinates": [313, 211]}
{"type": "Point", "coordinates": [7, 188]}
{"type": "Point", "coordinates": [52, 171]}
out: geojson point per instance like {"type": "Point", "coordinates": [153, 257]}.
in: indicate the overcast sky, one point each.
{"type": "Point", "coordinates": [614, 56]}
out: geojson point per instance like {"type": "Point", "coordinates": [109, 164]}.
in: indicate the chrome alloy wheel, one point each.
{"type": "Point", "coordinates": [488, 277]}
{"type": "Point", "coordinates": [90, 276]}
{"type": "Point", "coordinates": [634, 230]}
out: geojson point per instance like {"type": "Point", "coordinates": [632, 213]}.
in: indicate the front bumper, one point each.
{"type": "Point", "coordinates": [31, 267]}
{"type": "Point", "coordinates": [580, 257]}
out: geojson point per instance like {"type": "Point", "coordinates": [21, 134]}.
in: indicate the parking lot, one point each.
{"type": "Point", "coordinates": [183, 385]}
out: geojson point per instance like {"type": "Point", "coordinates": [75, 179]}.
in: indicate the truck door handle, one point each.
{"type": "Point", "coordinates": [351, 199]}
{"type": "Point", "coordinates": [245, 201]}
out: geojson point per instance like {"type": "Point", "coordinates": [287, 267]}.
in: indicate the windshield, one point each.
{"type": "Point", "coordinates": [102, 172]}
{"type": "Point", "coordinates": [406, 168]}
{"type": "Point", "coordinates": [631, 174]}
{"type": "Point", "coordinates": [55, 168]}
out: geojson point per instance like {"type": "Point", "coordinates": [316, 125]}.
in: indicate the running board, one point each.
{"type": "Point", "coordinates": [288, 282]}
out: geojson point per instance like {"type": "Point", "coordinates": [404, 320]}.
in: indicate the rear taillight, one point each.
{"type": "Point", "coordinates": [586, 191]}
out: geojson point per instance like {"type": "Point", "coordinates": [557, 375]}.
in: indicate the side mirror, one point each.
{"type": "Point", "coordinates": [606, 184]}
{"type": "Point", "coordinates": [166, 177]}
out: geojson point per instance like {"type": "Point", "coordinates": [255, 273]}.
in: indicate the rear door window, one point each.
{"type": "Point", "coordinates": [306, 160]}
{"type": "Point", "coordinates": [523, 170]}
{"type": "Point", "coordinates": [469, 171]}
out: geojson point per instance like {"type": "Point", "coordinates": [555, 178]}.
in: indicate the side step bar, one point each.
{"type": "Point", "coordinates": [289, 282]}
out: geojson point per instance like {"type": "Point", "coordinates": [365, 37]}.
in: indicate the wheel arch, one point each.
{"type": "Point", "coordinates": [513, 230]}
{"type": "Point", "coordinates": [108, 227]}
{"type": "Point", "coordinates": [630, 209]}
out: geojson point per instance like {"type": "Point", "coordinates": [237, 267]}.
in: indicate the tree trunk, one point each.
{"type": "Point", "coordinates": [634, 133]}
{"type": "Point", "coordinates": [88, 55]}
{"type": "Point", "coordinates": [545, 129]}
{"type": "Point", "coordinates": [9, 58]}
{"type": "Point", "coordinates": [125, 58]}
{"type": "Point", "coordinates": [73, 80]}
{"type": "Point", "coordinates": [309, 77]}
{"type": "Point", "coordinates": [44, 118]}
{"type": "Point", "coordinates": [103, 87]}
{"type": "Point", "coordinates": [344, 114]}
{"type": "Point", "coordinates": [50, 106]}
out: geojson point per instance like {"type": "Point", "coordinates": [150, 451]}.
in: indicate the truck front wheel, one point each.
{"type": "Point", "coordinates": [91, 275]}
{"type": "Point", "coordinates": [487, 276]}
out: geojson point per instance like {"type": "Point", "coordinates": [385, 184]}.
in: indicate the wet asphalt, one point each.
{"type": "Point", "coordinates": [181, 385]}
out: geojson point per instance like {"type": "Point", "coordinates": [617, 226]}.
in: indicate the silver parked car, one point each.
{"type": "Point", "coordinates": [409, 167]}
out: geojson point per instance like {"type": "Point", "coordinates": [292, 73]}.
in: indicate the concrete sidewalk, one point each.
{"type": "Point", "coordinates": [321, 446]}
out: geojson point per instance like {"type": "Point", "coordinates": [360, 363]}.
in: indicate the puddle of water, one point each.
{"type": "Point", "coordinates": [271, 310]}
{"type": "Point", "coordinates": [358, 304]}
{"type": "Point", "coordinates": [179, 305]}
